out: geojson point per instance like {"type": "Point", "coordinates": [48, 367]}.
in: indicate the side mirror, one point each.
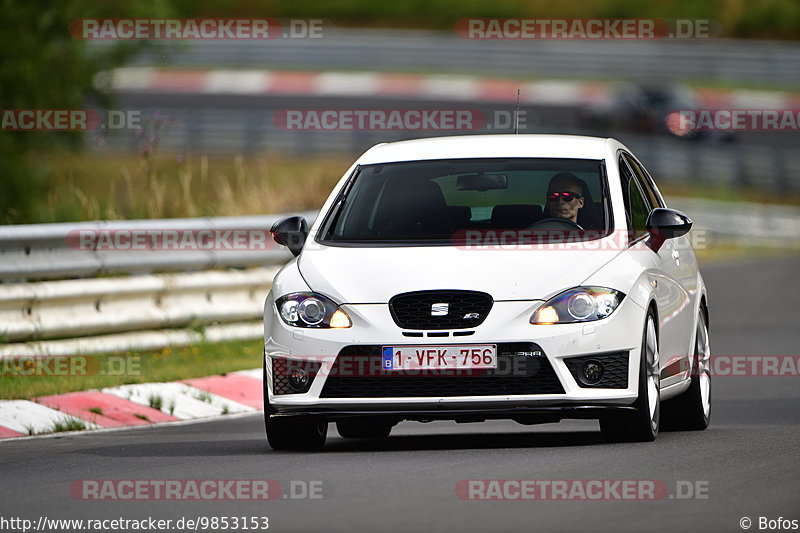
{"type": "Point", "coordinates": [668, 223]}
{"type": "Point", "coordinates": [290, 232]}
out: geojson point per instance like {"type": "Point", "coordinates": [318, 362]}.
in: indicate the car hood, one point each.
{"type": "Point", "coordinates": [375, 274]}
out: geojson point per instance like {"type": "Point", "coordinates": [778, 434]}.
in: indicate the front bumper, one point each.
{"type": "Point", "coordinates": [522, 414]}
{"type": "Point", "coordinates": [508, 322]}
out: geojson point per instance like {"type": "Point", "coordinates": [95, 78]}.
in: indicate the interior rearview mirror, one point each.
{"type": "Point", "coordinates": [481, 182]}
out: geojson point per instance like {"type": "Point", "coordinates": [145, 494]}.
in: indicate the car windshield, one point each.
{"type": "Point", "coordinates": [437, 201]}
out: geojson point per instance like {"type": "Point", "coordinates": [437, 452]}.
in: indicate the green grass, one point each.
{"type": "Point", "coordinates": [728, 252]}
{"type": "Point", "coordinates": [168, 364]}
{"type": "Point", "coordinates": [204, 396]}
{"type": "Point", "coordinates": [68, 424]}
{"type": "Point", "coordinates": [726, 193]}
{"type": "Point", "coordinates": [155, 401]}
{"type": "Point", "coordinates": [91, 186]}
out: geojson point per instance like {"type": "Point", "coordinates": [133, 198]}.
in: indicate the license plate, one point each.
{"type": "Point", "coordinates": [440, 357]}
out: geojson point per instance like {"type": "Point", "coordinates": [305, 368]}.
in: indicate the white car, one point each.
{"type": "Point", "coordinates": [524, 277]}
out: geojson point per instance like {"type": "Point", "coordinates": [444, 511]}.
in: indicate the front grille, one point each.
{"type": "Point", "coordinates": [522, 369]}
{"type": "Point", "coordinates": [615, 370]}
{"type": "Point", "coordinates": [412, 310]}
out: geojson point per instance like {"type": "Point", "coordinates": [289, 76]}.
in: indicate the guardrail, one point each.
{"type": "Point", "coordinates": [71, 308]}
{"type": "Point", "coordinates": [96, 300]}
{"type": "Point", "coordinates": [43, 251]}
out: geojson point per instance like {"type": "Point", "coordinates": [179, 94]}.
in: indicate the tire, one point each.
{"type": "Point", "coordinates": [364, 428]}
{"type": "Point", "coordinates": [691, 411]}
{"type": "Point", "coordinates": [285, 433]}
{"type": "Point", "coordinates": [641, 425]}
{"type": "Point", "coordinates": [295, 434]}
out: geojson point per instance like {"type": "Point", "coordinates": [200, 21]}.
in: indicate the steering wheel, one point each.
{"type": "Point", "coordinates": [555, 223]}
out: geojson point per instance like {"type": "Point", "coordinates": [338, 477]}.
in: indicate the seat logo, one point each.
{"type": "Point", "coordinates": [440, 309]}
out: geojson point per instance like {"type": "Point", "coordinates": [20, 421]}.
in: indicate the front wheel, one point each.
{"type": "Point", "coordinates": [285, 433]}
{"type": "Point", "coordinates": [641, 425]}
{"type": "Point", "coordinates": [692, 409]}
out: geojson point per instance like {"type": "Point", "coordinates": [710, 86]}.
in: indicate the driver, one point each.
{"type": "Point", "coordinates": [564, 197]}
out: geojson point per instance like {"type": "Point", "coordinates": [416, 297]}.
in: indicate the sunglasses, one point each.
{"type": "Point", "coordinates": [567, 196]}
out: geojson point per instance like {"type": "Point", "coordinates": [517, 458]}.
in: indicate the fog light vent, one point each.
{"type": "Point", "coordinates": [604, 371]}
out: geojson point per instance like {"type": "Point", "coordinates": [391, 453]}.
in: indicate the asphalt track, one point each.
{"type": "Point", "coordinates": [748, 459]}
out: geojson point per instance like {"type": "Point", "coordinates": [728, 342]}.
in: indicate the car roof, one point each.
{"type": "Point", "coordinates": [479, 146]}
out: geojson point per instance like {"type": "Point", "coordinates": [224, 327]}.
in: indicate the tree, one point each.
{"type": "Point", "coordinates": [42, 66]}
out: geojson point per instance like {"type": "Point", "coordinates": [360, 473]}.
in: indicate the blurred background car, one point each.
{"type": "Point", "coordinates": [649, 108]}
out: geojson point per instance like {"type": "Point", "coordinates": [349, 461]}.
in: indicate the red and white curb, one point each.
{"type": "Point", "coordinates": [134, 405]}
{"type": "Point", "coordinates": [415, 86]}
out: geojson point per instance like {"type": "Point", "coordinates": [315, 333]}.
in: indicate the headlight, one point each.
{"type": "Point", "coordinates": [581, 304]}
{"type": "Point", "coordinates": [311, 310]}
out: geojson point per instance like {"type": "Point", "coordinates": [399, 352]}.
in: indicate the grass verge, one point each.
{"type": "Point", "coordinates": [729, 252]}
{"type": "Point", "coordinates": [68, 424]}
{"type": "Point", "coordinates": [168, 364]}
{"type": "Point", "coordinates": [91, 186]}
{"type": "Point", "coordinates": [725, 192]}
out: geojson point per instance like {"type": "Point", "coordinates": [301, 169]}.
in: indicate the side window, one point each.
{"type": "Point", "coordinates": [639, 211]}
{"type": "Point", "coordinates": [646, 182]}
{"type": "Point", "coordinates": [625, 180]}
{"type": "Point", "coordinates": [637, 208]}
